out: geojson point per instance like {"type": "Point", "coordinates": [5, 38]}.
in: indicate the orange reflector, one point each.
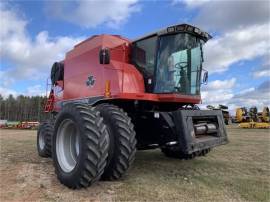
{"type": "Point", "coordinates": [108, 88]}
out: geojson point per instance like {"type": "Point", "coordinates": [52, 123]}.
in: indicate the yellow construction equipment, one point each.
{"type": "Point", "coordinates": [253, 118]}
{"type": "Point", "coordinates": [242, 115]}
{"type": "Point", "coordinates": [265, 115]}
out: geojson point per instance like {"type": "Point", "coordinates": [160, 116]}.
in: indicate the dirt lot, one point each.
{"type": "Point", "coordinates": [239, 171]}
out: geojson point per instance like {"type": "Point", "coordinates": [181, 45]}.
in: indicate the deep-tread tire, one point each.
{"type": "Point", "coordinates": [45, 131]}
{"type": "Point", "coordinates": [93, 146]}
{"type": "Point", "coordinates": [122, 146]}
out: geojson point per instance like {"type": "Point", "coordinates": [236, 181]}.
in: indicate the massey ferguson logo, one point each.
{"type": "Point", "coordinates": [90, 81]}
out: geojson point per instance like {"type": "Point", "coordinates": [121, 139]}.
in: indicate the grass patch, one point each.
{"type": "Point", "coordinates": [239, 171]}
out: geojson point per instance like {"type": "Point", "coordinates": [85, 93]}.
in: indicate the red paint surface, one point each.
{"type": "Point", "coordinates": [126, 82]}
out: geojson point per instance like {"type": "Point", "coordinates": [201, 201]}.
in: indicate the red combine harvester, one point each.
{"type": "Point", "coordinates": [111, 96]}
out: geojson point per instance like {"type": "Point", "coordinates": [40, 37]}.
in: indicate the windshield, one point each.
{"type": "Point", "coordinates": [179, 64]}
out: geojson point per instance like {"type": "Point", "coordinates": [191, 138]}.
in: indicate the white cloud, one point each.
{"type": "Point", "coordinates": [5, 78]}
{"type": "Point", "coordinates": [235, 46]}
{"type": "Point", "coordinates": [29, 91]}
{"type": "Point", "coordinates": [243, 28]}
{"type": "Point", "coordinates": [264, 70]}
{"type": "Point", "coordinates": [35, 90]}
{"type": "Point", "coordinates": [32, 59]}
{"type": "Point", "coordinates": [90, 14]}
{"type": "Point", "coordinates": [218, 97]}
{"type": "Point", "coordinates": [10, 22]}
{"type": "Point", "coordinates": [248, 90]}
{"type": "Point", "coordinates": [222, 92]}
{"type": "Point", "coordinates": [5, 92]}
{"type": "Point", "coordinates": [263, 73]}
{"type": "Point", "coordinates": [220, 15]}
{"type": "Point", "coordinates": [219, 84]}
{"type": "Point", "coordinates": [259, 96]}
{"type": "Point", "coordinates": [218, 91]}
{"type": "Point", "coordinates": [191, 3]}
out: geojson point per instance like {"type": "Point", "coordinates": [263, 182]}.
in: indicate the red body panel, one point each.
{"type": "Point", "coordinates": [126, 82]}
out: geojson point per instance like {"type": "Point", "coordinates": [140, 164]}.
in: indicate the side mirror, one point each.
{"type": "Point", "coordinates": [104, 56]}
{"type": "Point", "coordinates": [205, 77]}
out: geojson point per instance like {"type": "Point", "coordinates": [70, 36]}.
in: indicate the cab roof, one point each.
{"type": "Point", "coordinates": [185, 28]}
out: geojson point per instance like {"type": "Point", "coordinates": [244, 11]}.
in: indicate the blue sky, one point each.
{"type": "Point", "coordinates": [34, 34]}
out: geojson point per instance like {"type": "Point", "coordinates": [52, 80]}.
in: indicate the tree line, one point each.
{"type": "Point", "coordinates": [22, 108]}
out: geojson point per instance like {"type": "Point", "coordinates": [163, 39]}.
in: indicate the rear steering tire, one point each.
{"type": "Point", "coordinates": [44, 139]}
{"type": "Point", "coordinates": [80, 145]}
{"type": "Point", "coordinates": [122, 147]}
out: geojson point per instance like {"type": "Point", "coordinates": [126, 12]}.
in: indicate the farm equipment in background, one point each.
{"type": "Point", "coordinates": [3, 123]}
{"type": "Point", "coordinates": [111, 96]}
{"type": "Point", "coordinates": [19, 124]}
{"type": "Point", "coordinates": [29, 125]}
{"type": "Point", "coordinates": [242, 115]}
{"type": "Point", "coordinates": [264, 116]}
{"type": "Point", "coordinates": [224, 110]}
{"type": "Point", "coordinates": [12, 125]}
{"type": "Point", "coordinates": [253, 118]}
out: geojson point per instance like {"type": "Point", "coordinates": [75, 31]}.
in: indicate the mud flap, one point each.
{"type": "Point", "coordinates": [199, 129]}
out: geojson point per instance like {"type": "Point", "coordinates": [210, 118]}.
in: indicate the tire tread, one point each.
{"type": "Point", "coordinates": [124, 140]}
{"type": "Point", "coordinates": [95, 147]}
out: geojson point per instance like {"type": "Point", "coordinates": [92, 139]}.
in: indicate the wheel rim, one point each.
{"type": "Point", "coordinates": [41, 140]}
{"type": "Point", "coordinates": [67, 145]}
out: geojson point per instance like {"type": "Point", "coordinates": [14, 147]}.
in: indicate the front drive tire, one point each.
{"type": "Point", "coordinates": [122, 147]}
{"type": "Point", "coordinates": [80, 145]}
{"type": "Point", "coordinates": [44, 139]}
